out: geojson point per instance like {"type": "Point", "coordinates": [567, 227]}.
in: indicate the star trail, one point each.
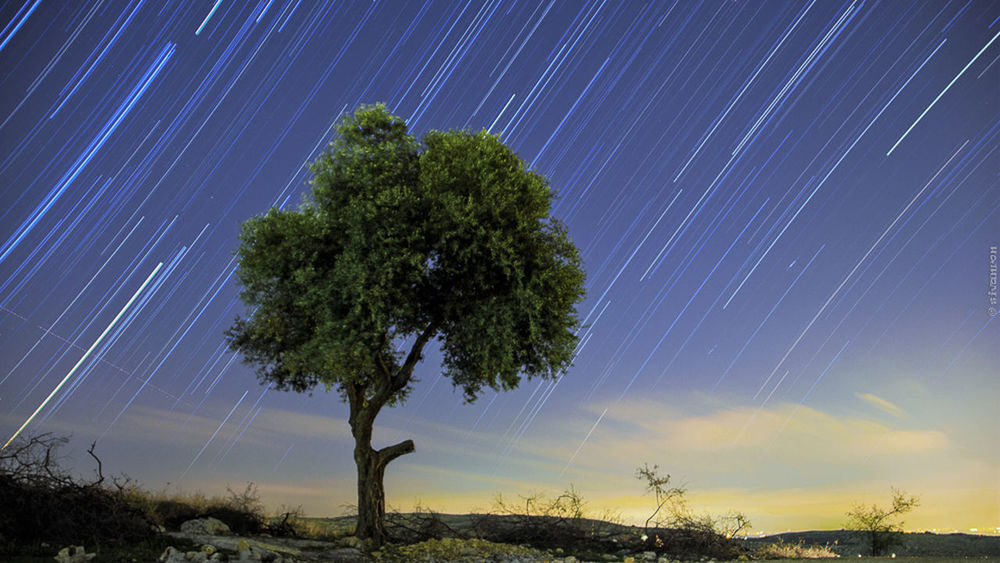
{"type": "Point", "coordinates": [787, 212]}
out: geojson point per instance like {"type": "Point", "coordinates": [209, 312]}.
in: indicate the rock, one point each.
{"type": "Point", "coordinates": [74, 554]}
{"type": "Point", "coordinates": [352, 541]}
{"type": "Point", "coordinates": [206, 527]}
{"type": "Point", "coordinates": [649, 555]}
{"type": "Point", "coordinates": [209, 549]}
{"type": "Point", "coordinates": [172, 555]}
{"type": "Point", "coordinates": [629, 560]}
{"type": "Point", "coordinates": [247, 552]}
{"type": "Point", "coordinates": [196, 556]}
{"type": "Point", "coordinates": [570, 559]}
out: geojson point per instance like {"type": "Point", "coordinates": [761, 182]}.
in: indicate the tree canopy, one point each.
{"type": "Point", "coordinates": [449, 238]}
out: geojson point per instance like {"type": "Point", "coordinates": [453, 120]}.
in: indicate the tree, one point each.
{"type": "Point", "coordinates": [657, 484]}
{"type": "Point", "coordinates": [400, 243]}
{"type": "Point", "coordinates": [878, 523]}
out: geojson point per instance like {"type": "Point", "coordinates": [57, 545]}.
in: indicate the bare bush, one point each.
{"type": "Point", "coordinates": [677, 529]}
{"type": "Point", "coordinates": [420, 525]}
{"type": "Point", "coordinates": [545, 522]}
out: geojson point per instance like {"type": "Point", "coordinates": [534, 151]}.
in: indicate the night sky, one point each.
{"type": "Point", "coordinates": [787, 212]}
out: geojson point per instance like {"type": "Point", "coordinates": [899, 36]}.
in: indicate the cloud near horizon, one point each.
{"type": "Point", "coordinates": [882, 404]}
{"type": "Point", "coordinates": [798, 433]}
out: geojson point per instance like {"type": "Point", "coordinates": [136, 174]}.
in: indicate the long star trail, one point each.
{"type": "Point", "coordinates": [780, 208]}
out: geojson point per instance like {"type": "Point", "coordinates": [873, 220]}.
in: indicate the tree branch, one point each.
{"type": "Point", "coordinates": [100, 473]}
{"type": "Point", "coordinates": [389, 453]}
{"type": "Point", "coordinates": [355, 399]}
{"type": "Point", "coordinates": [403, 375]}
{"type": "Point", "coordinates": [386, 372]}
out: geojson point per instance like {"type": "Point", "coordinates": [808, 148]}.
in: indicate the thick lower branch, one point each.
{"type": "Point", "coordinates": [390, 453]}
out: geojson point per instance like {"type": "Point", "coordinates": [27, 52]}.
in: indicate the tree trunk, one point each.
{"type": "Point", "coordinates": [371, 469]}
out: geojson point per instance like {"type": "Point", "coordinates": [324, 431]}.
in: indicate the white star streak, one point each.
{"type": "Point", "coordinates": [85, 355]}
{"type": "Point", "coordinates": [214, 434]}
{"type": "Point", "coordinates": [953, 80]}
{"type": "Point", "coordinates": [585, 438]}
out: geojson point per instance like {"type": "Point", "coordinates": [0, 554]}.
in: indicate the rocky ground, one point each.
{"type": "Point", "coordinates": [926, 547]}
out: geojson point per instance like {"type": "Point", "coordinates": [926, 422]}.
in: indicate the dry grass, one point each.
{"type": "Point", "coordinates": [782, 550]}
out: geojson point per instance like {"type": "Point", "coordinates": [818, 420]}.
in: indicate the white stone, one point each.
{"type": "Point", "coordinates": [172, 555]}
{"type": "Point", "coordinates": [74, 554]}
{"type": "Point", "coordinates": [206, 527]}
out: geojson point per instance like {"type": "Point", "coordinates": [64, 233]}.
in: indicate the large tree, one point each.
{"type": "Point", "coordinates": [400, 243]}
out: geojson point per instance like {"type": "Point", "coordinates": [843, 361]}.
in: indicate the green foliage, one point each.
{"type": "Point", "coordinates": [881, 525]}
{"type": "Point", "coordinates": [447, 238]}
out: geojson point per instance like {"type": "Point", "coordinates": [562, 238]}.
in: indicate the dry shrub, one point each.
{"type": "Point", "coordinates": [41, 502]}
{"type": "Point", "coordinates": [782, 550]}
{"type": "Point", "coordinates": [548, 523]}
{"type": "Point", "coordinates": [420, 525]}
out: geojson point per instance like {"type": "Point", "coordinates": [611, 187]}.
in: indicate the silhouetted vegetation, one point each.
{"type": "Point", "coordinates": [40, 502]}
{"type": "Point", "coordinates": [882, 526]}
{"type": "Point", "coordinates": [44, 508]}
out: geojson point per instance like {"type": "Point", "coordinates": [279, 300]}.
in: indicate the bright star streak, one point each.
{"type": "Point", "coordinates": [946, 88]}
{"type": "Point", "coordinates": [86, 355]}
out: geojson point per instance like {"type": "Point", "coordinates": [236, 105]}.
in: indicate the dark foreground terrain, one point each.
{"type": "Point", "coordinates": [457, 542]}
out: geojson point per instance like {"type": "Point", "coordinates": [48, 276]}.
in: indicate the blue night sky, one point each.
{"type": "Point", "coordinates": [787, 211]}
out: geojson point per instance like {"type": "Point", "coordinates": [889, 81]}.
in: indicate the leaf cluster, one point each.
{"type": "Point", "coordinates": [402, 241]}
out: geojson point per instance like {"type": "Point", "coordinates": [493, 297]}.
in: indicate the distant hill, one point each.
{"type": "Point", "coordinates": [850, 543]}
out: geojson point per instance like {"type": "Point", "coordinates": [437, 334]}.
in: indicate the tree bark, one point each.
{"type": "Point", "coordinates": [371, 463]}
{"type": "Point", "coordinates": [371, 470]}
